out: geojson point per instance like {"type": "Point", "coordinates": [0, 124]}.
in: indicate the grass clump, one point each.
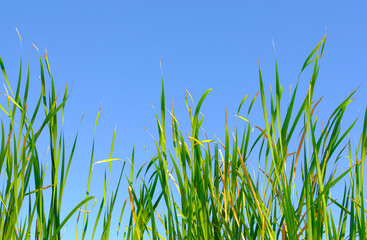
{"type": "Point", "coordinates": [194, 187]}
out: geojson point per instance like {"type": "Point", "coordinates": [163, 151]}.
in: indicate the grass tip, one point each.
{"type": "Point", "coordinates": [20, 37]}
{"type": "Point", "coordinates": [35, 47]}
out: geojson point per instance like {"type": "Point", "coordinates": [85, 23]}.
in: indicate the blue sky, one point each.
{"type": "Point", "coordinates": [110, 53]}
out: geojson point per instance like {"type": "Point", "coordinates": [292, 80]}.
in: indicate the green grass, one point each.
{"type": "Point", "coordinates": [194, 187]}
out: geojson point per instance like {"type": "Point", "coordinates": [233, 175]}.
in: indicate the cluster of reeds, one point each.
{"type": "Point", "coordinates": [195, 187]}
{"type": "Point", "coordinates": [26, 210]}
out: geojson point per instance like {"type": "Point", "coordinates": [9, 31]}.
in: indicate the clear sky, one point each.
{"type": "Point", "coordinates": [109, 53]}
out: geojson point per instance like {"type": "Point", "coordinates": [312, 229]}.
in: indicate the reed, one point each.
{"type": "Point", "coordinates": [194, 187]}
